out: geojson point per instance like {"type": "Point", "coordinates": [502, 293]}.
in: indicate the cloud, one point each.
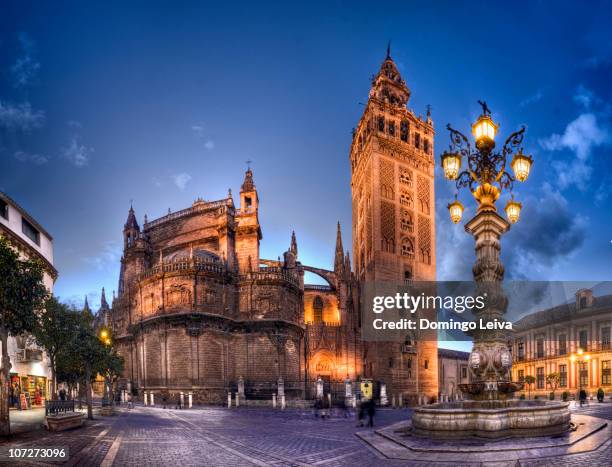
{"type": "Point", "coordinates": [108, 258]}
{"type": "Point", "coordinates": [580, 136]}
{"type": "Point", "coordinates": [198, 132]}
{"type": "Point", "coordinates": [37, 159]}
{"type": "Point", "coordinates": [25, 69]}
{"type": "Point", "coordinates": [584, 97]}
{"type": "Point", "coordinates": [181, 180]}
{"type": "Point", "coordinates": [454, 247]}
{"type": "Point", "coordinates": [549, 233]}
{"type": "Point", "coordinates": [76, 153]}
{"type": "Point", "coordinates": [74, 124]}
{"type": "Point", "coordinates": [20, 118]}
{"type": "Point", "coordinates": [536, 97]}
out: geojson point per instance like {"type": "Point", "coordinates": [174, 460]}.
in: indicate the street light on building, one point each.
{"type": "Point", "coordinates": [581, 359]}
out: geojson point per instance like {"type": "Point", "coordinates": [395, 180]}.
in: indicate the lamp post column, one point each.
{"type": "Point", "coordinates": [490, 360]}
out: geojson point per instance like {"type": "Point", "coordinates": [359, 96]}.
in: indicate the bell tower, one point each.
{"type": "Point", "coordinates": [392, 186]}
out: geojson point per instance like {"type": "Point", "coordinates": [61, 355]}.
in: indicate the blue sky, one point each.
{"type": "Point", "coordinates": [162, 102]}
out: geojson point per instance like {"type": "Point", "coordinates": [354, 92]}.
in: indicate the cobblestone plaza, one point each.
{"type": "Point", "coordinates": [246, 437]}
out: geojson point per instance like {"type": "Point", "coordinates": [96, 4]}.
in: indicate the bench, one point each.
{"type": "Point", "coordinates": [63, 421]}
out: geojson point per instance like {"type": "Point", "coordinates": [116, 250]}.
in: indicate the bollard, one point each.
{"type": "Point", "coordinates": [393, 401]}
{"type": "Point", "coordinates": [229, 400]}
{"type": "Point", "coordinates": [400, 400]}
{"type": "Point", "coordinates": [151, 399]}
{"type": "Point", "coordinates": [237, 400]}
{"type": "Point", "coordinates": [329, 400]}
{"type": "Point", "coordinates": [355, 402]}
{"type": "Point", "coordinates": [283, 402]}
{"type": "Point", "coordinates": [190, 399]}
{"type": "Point", "coordinates": [273, 401]}
{"type": "Point", "coordinates": [182, 400]}
{"type": "Point", "coordinates": [146, 398]}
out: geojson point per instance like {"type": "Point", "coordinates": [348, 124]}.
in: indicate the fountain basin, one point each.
{"type": "Point", "coordinates": [491, 419]}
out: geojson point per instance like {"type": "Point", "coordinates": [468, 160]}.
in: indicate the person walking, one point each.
{"type": "Point", "coordinates": [165, 400]}
{"type": "Point", "coordinates": [178, 401]}
{"type": "Point", "coordinates": [371, 411]}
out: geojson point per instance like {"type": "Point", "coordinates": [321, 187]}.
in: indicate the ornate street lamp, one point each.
{"type": "Point", "coordinates": [486, 174]}
{"type": "Point", "coordinates": [486, 177]}
{"type": "Point", "coordinates": [456, 211]}
{"type": "Point", "coordinates": [513, 210]}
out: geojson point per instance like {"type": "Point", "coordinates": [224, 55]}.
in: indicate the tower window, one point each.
{"type": "Point", "coordinates": [391, 128]}
{"type": "Point", "coordinates": [388, 245]}
{"type": "Point", "coordinates": [426, 145]}
{"type": "Point", "coordinates": [417, 141]}
{"type": "Point", "coordinates": [387, 192]}
{"type": "Point", "coordinates": [407, 276]}
{"type": "Point", "coordinates": [248, 201]}
{"type": "Point", "coordinates": [404, 130]}
{"type": "Point", "coordinates": [381, 123]}
{"type": "Point", "coordinates": [425, 256]}
{"type": "Point", "coordinates": [317, 309]}
{"type": "Point", "coordinates": [407, 248]}
{"type": "Point", "coordinates": [406, 199]}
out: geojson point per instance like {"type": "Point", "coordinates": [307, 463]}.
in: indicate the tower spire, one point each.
{"type": "Point", "coordinates": [339, 254]}
{"type": "Point", "coordinates": [388, 50]}
{"type": "Point", "coordinates": [86, 306]}
{"type": "Point", "coordinates": [103, 302]}
{"type": "Point", "coordinates": [293, 248]}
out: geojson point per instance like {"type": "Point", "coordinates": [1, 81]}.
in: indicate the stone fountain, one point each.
{"type": "Point", "coordinates": [492, 411]}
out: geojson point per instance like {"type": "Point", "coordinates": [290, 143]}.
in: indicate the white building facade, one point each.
{"type": "Point", "coordinates": [30, 372]}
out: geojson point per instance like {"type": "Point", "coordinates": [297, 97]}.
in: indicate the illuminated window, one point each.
{"type": "Point", "coordinates": [317, 309]}
{"type": "Point", "coordinates": [584, 373]}
{"type": "Point", "coordinates": [521, 376]}
{"type": "Point", "coordinates": [540, 377]}
{"type": "Point", "coordinates": [605, 372]}
{"type": "Point", "coordinates": [562, 376]}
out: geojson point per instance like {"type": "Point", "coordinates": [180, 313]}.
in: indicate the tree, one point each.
{"type": "Point", "coordinates": [111, 368]}
{"type": "Point", "coordinates": [529, 380]}
{"type": "Point", "coordinates": [53, 332]}
{"type": "Point", "coordinates": [22, 294]}
{"type": "Point", "coordinates": [553, 381]}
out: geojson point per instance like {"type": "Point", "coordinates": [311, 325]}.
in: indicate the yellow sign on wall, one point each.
{"type": "Point", "coordinates": [366, 386]}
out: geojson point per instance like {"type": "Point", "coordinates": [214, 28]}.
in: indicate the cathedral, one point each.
{"type": "Point", "coordinates": [199, 310]}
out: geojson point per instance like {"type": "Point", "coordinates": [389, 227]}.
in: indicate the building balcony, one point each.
{"type": "Point", "coordinates": [29, 355]}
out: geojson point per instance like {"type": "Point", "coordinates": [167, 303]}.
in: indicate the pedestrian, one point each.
{"type": "Point", "coordinates": [164, 400]}
{"type": "Point", "coordinates": [62, 394]}
{"type": "Point", "coordinates": [361, 413]}
{"type": "Point", "coordinates": [583, 397]}
{"type": "Point", "coordinates": [371, 411]}
{"type": "Point", "coordinates": [129, 401]}
{"type": "Point", "coordinates": [178, 401]}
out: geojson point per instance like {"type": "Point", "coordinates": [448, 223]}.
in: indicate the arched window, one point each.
{"type": "Point", "coordinates": [407, 247]}
{"type": "Point", "coordinates": [381, 123]}
{"type": "Point", "coordinates": [391, 128]}
{"type": "Point", "coordinates": [317, 309]}
{"type": "Point", "coordinates": [404, 130]}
